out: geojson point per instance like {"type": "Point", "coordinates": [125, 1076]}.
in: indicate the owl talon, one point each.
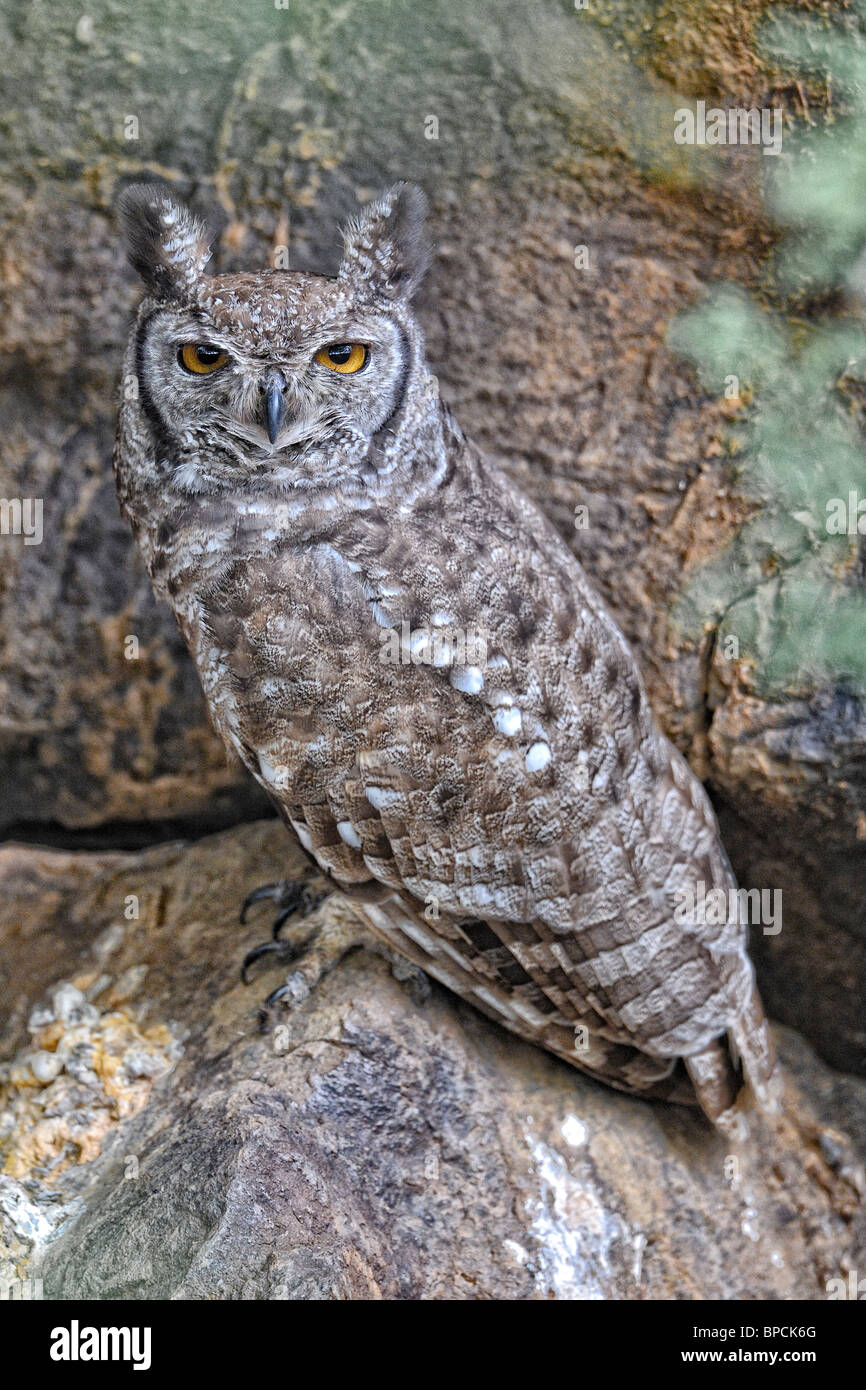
{"type": "Point", "coordinates": [284, 949]}
{"type": "Point", "coordinates": [266, 1010]}
{"type": "Point", "coordinates": [275, 891]}
{"type": "Point", "coordinates": [291, 897]}
{"type": "Point", "coordinates": [322, 950]}
{"type": "Point", "coordinates": [307, 900]}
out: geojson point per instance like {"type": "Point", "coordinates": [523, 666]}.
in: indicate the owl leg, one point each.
{"type": "Point", "coordinates": [332, 938]}
{"type": "Point", "coordinates": [335, 934]}
{"type": "Point", "coordinates": [294, 898]}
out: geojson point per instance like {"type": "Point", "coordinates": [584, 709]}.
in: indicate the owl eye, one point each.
{"type": "Point", "coordinates": [343, 357]}
{"type": "Point", "coordinates": [201, 358]}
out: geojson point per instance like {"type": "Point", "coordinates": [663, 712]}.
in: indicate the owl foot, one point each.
{"type": "Point", "coordinates": [284, 951]}
{"type": "Point", "coordinates": [291, 897]}
{"type": "Point", "coordinates": [323, 948]}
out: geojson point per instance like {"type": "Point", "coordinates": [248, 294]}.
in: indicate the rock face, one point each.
{"type": "Point", "coordinates": [369, 1146]}
{"type": "Point", "coordinates": [570, 232]}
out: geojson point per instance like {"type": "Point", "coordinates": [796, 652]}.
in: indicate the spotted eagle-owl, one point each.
{"type": "Point", "coordinates": [410, 660]}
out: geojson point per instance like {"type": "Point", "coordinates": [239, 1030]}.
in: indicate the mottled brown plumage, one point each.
{"type": "Point", "coordinates": [408, 657]}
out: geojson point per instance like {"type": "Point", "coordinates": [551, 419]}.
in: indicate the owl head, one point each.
{"type": "Point", "coordinates": [277, 373]}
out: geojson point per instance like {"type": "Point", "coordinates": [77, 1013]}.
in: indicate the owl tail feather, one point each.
{"type": "Point", "coordinates": [732, 1075]}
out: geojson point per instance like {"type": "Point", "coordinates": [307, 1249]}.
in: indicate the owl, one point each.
{"type": "Point", "coordinates": [412, 663]}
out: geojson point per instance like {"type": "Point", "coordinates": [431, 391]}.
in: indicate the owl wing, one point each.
{"type": "Point", "coordinates": [571, 940]}
{"type": "Point", "coordinates": [531, 827]}
{"type": "Point", "coordinates": [525, 930]}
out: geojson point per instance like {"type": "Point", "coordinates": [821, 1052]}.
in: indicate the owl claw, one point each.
{"type": "Point", "coordinates": [284, 949]}
{"type": "Point", "coordinates": [307, 901]}
{"type": "Point", "coordinates": [265, 891]}
{"type": "Point", "coordinates": [266, 1010]}
{"type": "Point", "coordinates": [291, 897]}
{"type": "Point", "coordinates": [326, 945]}
{"type": "Point", "coordinates": [294, 899]}
{"type": "Point", "coordinates": [275, 996]}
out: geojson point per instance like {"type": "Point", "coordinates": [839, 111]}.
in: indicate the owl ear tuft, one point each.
{"type": "Point", "coordinates": [386, 246]}
{"type": "Point", "coordinates": [165, 243]}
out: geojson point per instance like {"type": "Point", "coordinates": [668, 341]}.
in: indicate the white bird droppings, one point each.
{"type": "Point", "coordinates": [304, 836]}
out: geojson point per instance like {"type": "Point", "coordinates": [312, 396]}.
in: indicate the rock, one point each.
{"type": "Point", "coordinates": [369, 1146]}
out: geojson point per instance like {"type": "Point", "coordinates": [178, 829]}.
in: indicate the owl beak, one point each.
{"type": "Point", "coordinates": [275, 409]}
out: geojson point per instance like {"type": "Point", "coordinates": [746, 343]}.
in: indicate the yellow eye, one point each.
{"type": "Point", "coordinates": [202, 358]}
{"type": "Point", "coordinates": [343, 357]}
